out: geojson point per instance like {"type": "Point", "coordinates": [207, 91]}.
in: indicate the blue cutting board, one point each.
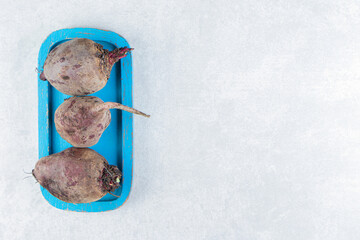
{"type": "Point", "coordinates": [116, 142]}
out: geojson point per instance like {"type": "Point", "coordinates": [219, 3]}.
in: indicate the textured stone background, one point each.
{"type": "Point", "coordinates": [254, 131]}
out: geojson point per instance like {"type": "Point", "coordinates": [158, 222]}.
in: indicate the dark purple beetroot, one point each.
{"type": "Point", "coordinates": [80, 66]}
{"type": "Point", "coordinates": [82, 120]}
{"type": "Point", "coordinates": [77, 175]}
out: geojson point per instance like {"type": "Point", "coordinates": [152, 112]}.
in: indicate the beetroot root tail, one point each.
{"type": "Point", "coordinates": [114, 195]}
{"type": "Point", "coordinates": [112, 105]}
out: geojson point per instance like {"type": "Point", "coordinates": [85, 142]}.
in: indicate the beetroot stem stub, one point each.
{"type": "Point", "coordinates": [118, 53]}
{"type": "Point", "coordinates": [42, 76]}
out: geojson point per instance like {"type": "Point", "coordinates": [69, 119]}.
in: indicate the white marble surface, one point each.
{"type": "Point", "coordinates": [254, 131]}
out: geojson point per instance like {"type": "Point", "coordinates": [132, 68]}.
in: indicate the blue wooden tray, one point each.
{"type": "Point", "coordinates": [116, 142]}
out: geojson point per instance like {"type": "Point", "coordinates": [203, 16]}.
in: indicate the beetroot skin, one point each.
{"type": "Point", "coordinates": [82, 120]}
{"type": "Point", "coordinates": [80, 66]}
{"type": "Point", "coordinates": [77, 175]}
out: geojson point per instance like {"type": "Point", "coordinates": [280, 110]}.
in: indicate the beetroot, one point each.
{"type": "Point", "coordinates": [80, 66]}
{"type": "Point", "coordinates": [82, 120]}
{"type": "Point", "coordinates": [77, 175]}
